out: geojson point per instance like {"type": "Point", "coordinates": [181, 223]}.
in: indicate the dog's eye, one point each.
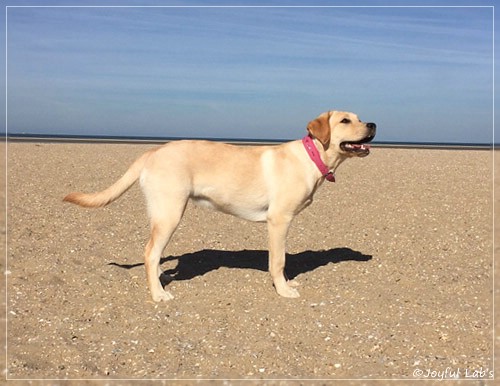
{"type": "Point", "coordinates": [345, 120]}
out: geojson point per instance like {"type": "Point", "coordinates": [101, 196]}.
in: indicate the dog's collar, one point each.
{"type": "Point", "coordinates": [315, 157]}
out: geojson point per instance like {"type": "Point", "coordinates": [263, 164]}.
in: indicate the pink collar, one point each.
{"type": "Point", "coordinates": [315, 157]}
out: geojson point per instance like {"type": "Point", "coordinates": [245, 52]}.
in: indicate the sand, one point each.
{"type": "Point", "coordinates": [395, 262]}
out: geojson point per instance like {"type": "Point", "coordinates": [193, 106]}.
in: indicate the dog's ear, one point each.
{"type": "Point", "coordinates": [320, 128]}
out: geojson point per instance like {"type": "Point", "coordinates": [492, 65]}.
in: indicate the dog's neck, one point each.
{"type": "Point", "coordinates": [332, 158]}
{"type": "Point", "coordinates": [325, 161]}
{"type": "Point", "coordinates": [312, 150]}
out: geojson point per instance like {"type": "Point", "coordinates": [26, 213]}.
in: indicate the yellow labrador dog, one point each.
{"type": "Point", "coordinates": [257, 183]}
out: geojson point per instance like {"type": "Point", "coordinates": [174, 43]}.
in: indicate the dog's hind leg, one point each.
{"type": "Point", "coordinates": [163, 225]}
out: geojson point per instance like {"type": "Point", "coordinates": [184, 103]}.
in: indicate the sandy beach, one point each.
{"type": "Point", "coordinates": [395, 262]}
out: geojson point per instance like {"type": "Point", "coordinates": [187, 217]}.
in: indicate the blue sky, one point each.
{"type": "Point", "coordinates": [421, 73]}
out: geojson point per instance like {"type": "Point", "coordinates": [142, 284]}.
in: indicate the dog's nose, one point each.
{"type": "Point", "coordinates": [372, 127]}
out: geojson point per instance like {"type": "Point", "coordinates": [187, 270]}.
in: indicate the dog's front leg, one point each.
{"type": "Point", "coordinates": [278, 229]}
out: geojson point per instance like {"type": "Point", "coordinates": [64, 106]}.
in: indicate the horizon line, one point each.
{"type": "Point", "coordinates": [72, 138]}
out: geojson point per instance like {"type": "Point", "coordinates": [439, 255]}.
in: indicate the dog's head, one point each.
{"type": "Point", "coordinates": [344, 132]}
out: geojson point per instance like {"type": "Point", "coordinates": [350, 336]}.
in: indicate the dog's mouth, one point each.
{"type": "Point", "coordinates": [357, 148]}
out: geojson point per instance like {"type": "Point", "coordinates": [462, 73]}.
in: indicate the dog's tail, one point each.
{"type": "Point", "coordinates": [100, 199]}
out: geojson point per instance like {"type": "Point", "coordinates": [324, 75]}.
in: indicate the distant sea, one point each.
{"type": "Point", "coordinates": [242, 141]}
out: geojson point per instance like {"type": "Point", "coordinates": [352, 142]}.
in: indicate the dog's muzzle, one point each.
{"type": "Point", "coordinates": [360, 148]}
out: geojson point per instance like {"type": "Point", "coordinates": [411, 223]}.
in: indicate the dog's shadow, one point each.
{"type": "Point", "coordinates": [199, 263]}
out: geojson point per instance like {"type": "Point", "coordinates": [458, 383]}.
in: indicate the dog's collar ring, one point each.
{"type": "Point", "coordinates": [330, 176]}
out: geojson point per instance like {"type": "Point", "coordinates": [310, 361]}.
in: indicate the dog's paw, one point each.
{"type": "Point", "coordinates": [293, 283]}
{"type": "Point", "coordinates": [164, 296]}
{"type": "Point", "coordinates": [288, 292]}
